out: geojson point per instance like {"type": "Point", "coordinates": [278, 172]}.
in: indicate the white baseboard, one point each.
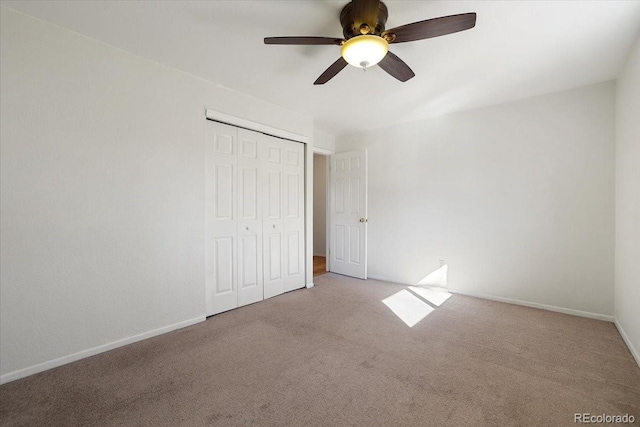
{"type": "Point", "coordinates": [557, 309]}
{"type": "Point", "coordinates": [571, 311]}
{"type": "Point", "coordinates": [25, 372]}
{"type": "Point", "coordinates": [389, 279]}
{"type": "Point", "coordinates": [310, 285]}
{"type": "Point", "coordinates": [627, 341]}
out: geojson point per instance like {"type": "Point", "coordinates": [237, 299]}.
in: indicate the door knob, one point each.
{"type": "Point", "coordinates": [364, 220]}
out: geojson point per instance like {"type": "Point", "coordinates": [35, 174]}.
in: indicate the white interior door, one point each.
{"type": "Point", "coordinates": [273, 223]}
{"type": "Point", "coordinates": [293, 209]}
{"type": "Point", "coordinates": [250, 287]}
{"type": "Point", "coordinates": [348, 214]}
{"type": "Point", "coordinates": [221, 220]}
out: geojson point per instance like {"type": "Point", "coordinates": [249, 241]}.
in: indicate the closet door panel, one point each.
{"type": "Point", "coordinates": [273, 218]}
{"type": "Point", "coordinates": [273, 264]}
{"type": "Point", "coordinates": [223, 257]}
{"type": "Point", "coordinates": [221, 218]}
{"type": "Point", "coordinates": [250, 280]}
{"type": "Point", "coordinates": [293, 206]}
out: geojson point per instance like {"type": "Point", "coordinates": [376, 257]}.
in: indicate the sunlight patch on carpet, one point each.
{"type": "Point", "coordinates": [434, 297]}
{"type": "Point", "coordinates": [408, 307]}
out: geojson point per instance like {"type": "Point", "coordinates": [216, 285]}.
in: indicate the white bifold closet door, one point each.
{"type": "Point", "coordinates": [222, 219]}
{"type": "Point", "coordinates": [249, 218]}
{"type": "Point", "coordinates": [273, 219]}
{"type": "Point", "coordinates": [283, 212]}
{"type": "Point", "coordinates": [254, 217]}
{"type": "Point", "coordinates": [293, 202]}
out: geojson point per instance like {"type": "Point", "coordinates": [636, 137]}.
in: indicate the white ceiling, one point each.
{"type": "Point", "coordinates": [517, 49]}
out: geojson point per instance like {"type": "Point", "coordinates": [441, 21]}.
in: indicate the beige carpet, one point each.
{"type": "Point", "coordinates": [336, 355]}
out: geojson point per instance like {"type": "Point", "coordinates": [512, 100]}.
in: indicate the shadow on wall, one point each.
{"type": "Point", "coordinates": [415, 303]}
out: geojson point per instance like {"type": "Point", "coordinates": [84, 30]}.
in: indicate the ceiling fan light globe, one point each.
{"type": "Point", "coordinates": [364, 51]}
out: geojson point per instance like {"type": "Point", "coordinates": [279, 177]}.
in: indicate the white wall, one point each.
{"type": "Point", "coordinates": [102, 193]}
{"type": "Point", "coordinates": [627, 270]}
{"type": "Point", "coordinates": [319, 204]}
{"type": "Point", "coordinates": [324, 141]}
{"type": "Point", "coordinates": [518, 199]}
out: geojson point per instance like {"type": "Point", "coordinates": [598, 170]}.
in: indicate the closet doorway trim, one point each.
{"type": "Point", "coordinates": [258, 127]}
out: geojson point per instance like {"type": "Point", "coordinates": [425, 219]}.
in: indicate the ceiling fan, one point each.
{"type": "Point", "coordinates": [366, 42]}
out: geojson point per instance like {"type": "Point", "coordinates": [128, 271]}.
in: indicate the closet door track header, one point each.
{"type": "Point", "coordinates": [217, 116]}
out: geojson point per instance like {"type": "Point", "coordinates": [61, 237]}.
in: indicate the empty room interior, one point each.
{"type": "Point", "coordinates": [320, 213]}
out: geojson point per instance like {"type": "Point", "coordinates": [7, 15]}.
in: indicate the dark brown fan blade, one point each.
{"type": "Point", "coordinates": [365, 12]}
{"type": "Point", "coordinates": [396, 67]}
{"type": "Point", "coordinates": [432, 28]}
{"type": "Point", "coordinates": [330, 72]}
{"type": "Point", "coordinates": [302, 40]}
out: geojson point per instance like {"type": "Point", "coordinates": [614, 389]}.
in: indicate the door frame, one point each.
{"type": "Point", "coordinates": [327, 230]}
{"type": "Point", "coordinates": [218, 116]}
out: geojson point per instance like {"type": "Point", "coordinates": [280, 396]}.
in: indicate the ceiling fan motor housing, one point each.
{"type": "Point", "coordinates": [349, 27]}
